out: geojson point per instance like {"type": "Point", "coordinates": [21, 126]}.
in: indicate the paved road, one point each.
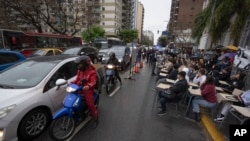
{"type": "Point", "coordinates": [128, 116]}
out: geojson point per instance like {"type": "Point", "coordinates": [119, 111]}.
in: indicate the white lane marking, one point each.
{"type": "Point", "coordinates": [79, 127]}
{"type": "Point", "coordinates": [115, 91]}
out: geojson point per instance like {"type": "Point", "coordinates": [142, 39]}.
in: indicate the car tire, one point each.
{"type": "Point", "coordinates": [38, 119]}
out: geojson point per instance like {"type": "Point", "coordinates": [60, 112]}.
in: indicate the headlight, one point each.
{"type": "Point", "coordinates": [1, 134]}
{"type": "Point", "coordinates": [120, 60]}
{"type": "Point", "coordinates": [4, 111]}
{"type": "Point", "coordinates": [110, 66]}
{"type": "Point", "coordinates": [70, 90]}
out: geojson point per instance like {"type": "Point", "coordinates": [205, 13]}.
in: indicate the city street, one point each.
{"type": "Point", "coordinates": [128, 116]}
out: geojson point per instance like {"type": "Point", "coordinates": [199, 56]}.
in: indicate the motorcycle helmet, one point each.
{"type": "Point", "coordinates": [83, 62]}
{"type": "Point", "coordinates": [112, 55]}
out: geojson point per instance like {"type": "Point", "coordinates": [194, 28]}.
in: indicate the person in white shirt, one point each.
{"type": "Point", "coordinates": [200, 78]}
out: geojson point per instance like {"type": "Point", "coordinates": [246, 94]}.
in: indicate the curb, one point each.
{"type": "Point", "coordinates": [213, 132]}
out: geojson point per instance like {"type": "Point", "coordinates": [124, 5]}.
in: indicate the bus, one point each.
{"type": "Point", "coordinates": [18, 40]}
{"type": "Point", "coordinates": [105, 43]}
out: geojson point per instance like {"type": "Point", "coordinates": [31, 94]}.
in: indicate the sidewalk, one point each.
{"type": "Point", "coordinates": [207, 123]}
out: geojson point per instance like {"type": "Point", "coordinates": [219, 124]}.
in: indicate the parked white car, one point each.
{"type": "Point", "coordinates": [29, 96]}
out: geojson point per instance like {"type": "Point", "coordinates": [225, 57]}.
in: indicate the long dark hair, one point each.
{"type": "Point", "coordinates": [210, 79]}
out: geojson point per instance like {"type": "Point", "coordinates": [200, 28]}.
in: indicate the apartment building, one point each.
{"type": "Point", "coordinates": [182, 16]}
{"type": "Point", "coordinates": [183, 13]}
{"type": "Point", "coordinates": [149, 34]}
{"type": "Point", "coordinates": [111, 17]}
{"type": "Point", "coordinates": [129, 13]}
{"type": "Point", "coordinates": [140, 20]}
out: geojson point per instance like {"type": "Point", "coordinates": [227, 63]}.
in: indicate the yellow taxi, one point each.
{"type": "Point", "coordinates": [47, 52]}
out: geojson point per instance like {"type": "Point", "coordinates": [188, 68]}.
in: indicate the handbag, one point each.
{"type": "Point", "coordinates": [169, 94]}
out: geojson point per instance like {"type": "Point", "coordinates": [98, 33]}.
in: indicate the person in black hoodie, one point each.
{"type": "Point", "coordinates": [177, 90]}
{"type": "Point", "coordinates": [235, 81]}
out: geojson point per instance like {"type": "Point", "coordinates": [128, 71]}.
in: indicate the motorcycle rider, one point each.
{"type": "Point", "coordinates": [87, 73]}
{"type": "Point", "coordinates": [114, 61]}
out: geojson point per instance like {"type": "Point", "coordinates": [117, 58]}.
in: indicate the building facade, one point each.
{"type": "Point", "coordinates": [111, 17]}
{"type": "Point", "coordinates": [129, 14]}
{"type": "Point", "coordinates": [140, 20]}
{"type": "Point", "coordinates": [149, 34]}
{"type": "Point", "coordinates": [182, 16]}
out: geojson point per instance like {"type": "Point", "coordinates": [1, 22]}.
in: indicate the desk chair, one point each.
{"type": "Point", "coordinates": [240, 113]}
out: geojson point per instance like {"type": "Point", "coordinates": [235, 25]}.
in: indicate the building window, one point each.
{"type": "Point", "coordinates": [103, 16]}
{"type": "Point", "coordinates": [103, 23]}
{"type": "Point", "coordinates": [103, 8]}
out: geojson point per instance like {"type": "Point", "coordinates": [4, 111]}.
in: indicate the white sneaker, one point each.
{"type": "Point", "coordinates": [219, 119]}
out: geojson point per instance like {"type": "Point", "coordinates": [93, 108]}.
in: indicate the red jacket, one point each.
{"type": "Point", "coordinates": [208, 92]}
{"type": "Point", "coordinates": [90, 79]}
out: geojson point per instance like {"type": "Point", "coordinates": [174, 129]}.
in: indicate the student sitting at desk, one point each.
{"type": "Point", "coordinates": [235, 81]}
{"type": "Point", "coordinates": [174, 93]}
{"type": "Point", "coordinates": [207, 99]}
{"type": "Point", "coordinates": [200, 78]}
{"type": "Point", "coordinates": [244, 100]}
{"type": "Point", "coordinates": [172, 75]}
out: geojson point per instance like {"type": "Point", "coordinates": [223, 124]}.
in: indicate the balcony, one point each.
{"type": "Point", "coordinates": [96, 11]}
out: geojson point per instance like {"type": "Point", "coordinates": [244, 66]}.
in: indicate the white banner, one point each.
{"type": "Point", "coordinates": [242, 59]}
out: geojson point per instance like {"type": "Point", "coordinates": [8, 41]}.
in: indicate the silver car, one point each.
{"type": "Point", "coordinates": [29, 95]}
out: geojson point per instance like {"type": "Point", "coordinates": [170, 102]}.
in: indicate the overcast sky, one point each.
{"type": "Point", "coordinates": [156, 16]}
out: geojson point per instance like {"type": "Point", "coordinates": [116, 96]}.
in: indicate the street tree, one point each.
{"type": "Point", "coordinates": [94, 31]}
{"type": "Point", "coordinates": [63, 17]}
{"type": "Point", "coordinates": [146, 41]}
{"type": "Point", "coordinates": [128, 35]}
{"type": "Point", "coordinates": [162, 41]}
{"type": "Point", "coordinates": [228, 15]}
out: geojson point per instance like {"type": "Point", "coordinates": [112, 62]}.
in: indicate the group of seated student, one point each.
{"type": "Point", "coordinates": [207, 80]}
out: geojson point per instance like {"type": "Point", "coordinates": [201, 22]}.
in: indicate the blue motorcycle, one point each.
{"type": "Point", "coordinates": [74, 112]}
{"type": "Point", "coordinates": [110, 77]}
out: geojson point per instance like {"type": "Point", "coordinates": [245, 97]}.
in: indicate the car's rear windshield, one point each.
{"type": "Point", "coordinates": [39, 52]}
{"type": "Point", "coordinates": [119, 51]}
{"type": "Point", "coordinates": [25, 75]}
{"type": "Point", "coordinates": [71, 51]}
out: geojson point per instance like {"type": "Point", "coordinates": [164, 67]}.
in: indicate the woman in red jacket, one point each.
{"type": "Point", "coordinates": [208, 98]}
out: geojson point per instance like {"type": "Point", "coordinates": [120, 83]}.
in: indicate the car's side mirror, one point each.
{"type": "Point", "coordinates": [60, 82]}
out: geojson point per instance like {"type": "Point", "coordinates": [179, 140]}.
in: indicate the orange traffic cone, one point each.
{"type": "Point", "coordinates": [137, 68]}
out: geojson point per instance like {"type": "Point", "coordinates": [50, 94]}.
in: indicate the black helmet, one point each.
{"type": "Point", "coordinates": [83, 62]}
{"type": "Point", "coordinates": [112, 55]}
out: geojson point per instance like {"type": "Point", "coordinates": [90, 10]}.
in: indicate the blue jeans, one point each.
{"type": "Point", "coordinates": [200, 101]}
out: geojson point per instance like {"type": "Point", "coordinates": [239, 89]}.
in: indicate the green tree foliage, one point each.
{"type": "Point", "coordinates": [162, 41]}
{"type": "Point", "coordinates": [146, 41]}
{"type": "Point", "coordinates": [128, 35]}
{"type": "Point", "coordinates": [93, 32]}
{"type": "Point", "coordinates": [224, 12]}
